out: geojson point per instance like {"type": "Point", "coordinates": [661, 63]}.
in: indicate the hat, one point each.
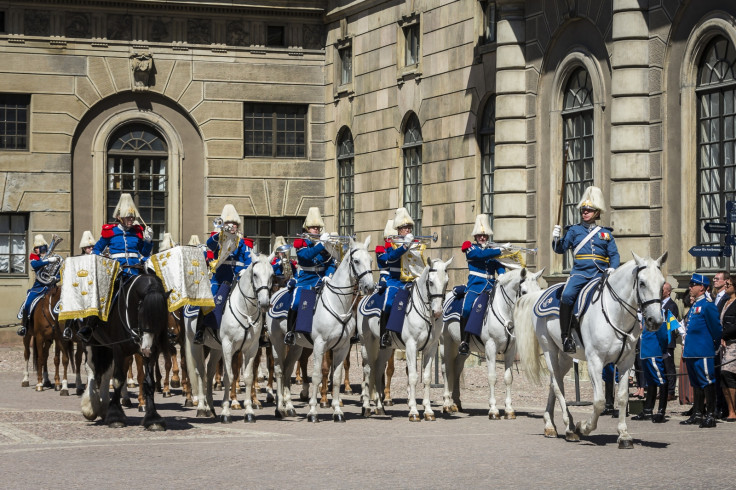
{"type": "Point", "coordinates": [593, 198]}
{"type": "Point", "coordinates": [389, 230]}
{"type": "Point", "coordinates": [125, 208]}
{"type": "Point", "coordinates": [313, 219]}
{"type": "Point", "coordinates": [39, 241]}
{"type": "Point", "coordinates": [278, 242]}
{"type": "Point", "coordinates": [229, 214]}
{"type": "Point", "coordinates": [166, 243]}
{"type": "Point", "coordinates": [701, 279]}
{"type": "Point", "coordinates": [87, 240]}
{"type": "Point", "coordinates": [193, 241]}
{"type": "Point", "coordinates": [482, 225]}
{"type": "Point", "coordinates": [402, 218]}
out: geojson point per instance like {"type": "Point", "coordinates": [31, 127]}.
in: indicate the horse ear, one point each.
{"type": "Point", "coordinates": [447, 264]}
{"type": "Point", "coordinates": [270, 257]}
{"type": "Point", "coordinates": [429, 262]}
{"type": "Point", "coordinates": [168, 293]}
{"type": "Point", "coordinates": [367, 241]}
{"type": "Point", "coordinates": [639, 260]}
{"type": "Point", "coordinates": [661, 260]}
{"type": "Point", "coordinates": [523, 273]}
{"type": "Point", "coordinates": [538, 274]}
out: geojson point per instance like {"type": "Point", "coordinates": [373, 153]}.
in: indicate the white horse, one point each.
{"type": "Point", "coordinates": [240, 329]}
{"type": "Point", "coordinates": [332, 327]}
{"type": "Point", "coordinates": [497, 337]}
{"type": "Point", "coordinates": [609, 331]}
{"type": "Point", "coordinates": [421, 332]}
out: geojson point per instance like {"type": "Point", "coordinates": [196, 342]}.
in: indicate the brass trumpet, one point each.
{"type": "Point", "coordinates": [532, 251]}
{"type": "Point", "coordinates": [417, 239]}
{"type": "Point", "coordinates": [315, 237]}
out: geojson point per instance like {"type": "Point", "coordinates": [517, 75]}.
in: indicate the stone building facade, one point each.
{"type": "Point", "coordinates": [448, 107]}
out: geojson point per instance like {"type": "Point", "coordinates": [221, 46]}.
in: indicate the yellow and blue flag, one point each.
{"type": "Point", "coordinates": [672, 325]}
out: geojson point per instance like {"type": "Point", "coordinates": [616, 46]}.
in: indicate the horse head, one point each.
{"type": "Point", "coordinates": [436, 277]}
{"type": "Point", "coordinates": [261, 278]}
{"type": "Point", "coordinates": [360, 265]}
{"type": "Point", "coordinates": [148, 294]}
{"type": "Point", "coordinates": [648, 284]}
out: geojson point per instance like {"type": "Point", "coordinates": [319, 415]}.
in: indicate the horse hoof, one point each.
{"type": "Point", "coordinates": [552, 433]}
{"type": "Point", "coordinates": [126, 402]}
{"type": "Point", "coordinates": [379, 411]}
{"type": "Point", "coordinates": [235, 406]}
{"type": "Point", "coordinates": [64, 392]}
{"type": "Point", "coordinates": [188, 403]}
{"type": "Point", "coordinates": [80, 391]}
{"type": "Point", "coordinates": [414, 417]}
{"type": "Point", "coordinates": [226, 419]}
{"type": "Point", "coordinates": [132, 385]}
{"type": "Point", "coordinates": [141, 408]}
{"type": "Point", "coordinates": [510, 416]}
{"type": "Point", "coordinates": [446, 409]}
{"type": "Point", "coordinates": [257, 406]}
{"type": "Point", "coordinates": [291, 412]}
{"type": "Point", "coordinates": [348, 391]}
{"type": "Point", "coordinates": [324, 405]}
{"type": "Point", "coordinates": [159, 427]}
{"type": "Point", "coordinates": [57, 388]}
{"type": "Point", "coordinates": [218, 386]}
{"type": "Point", "coordinates": [167, 394]}
{"type": "Point", "coordinates": [494, 416]}
{"type": "Point", "coordinates": [270, 398]}
{"type": "Point", "coordinates": [571, 436]}
{"type": "Point", "coordinates": [366, 412]}
{"type": "Point", "coordinates": [338, 417]}
{"type": "Point", "coordinates": [429, 417]}
{"type": "Point", "coordinates": [203, 413]}
{"type": "Point", "coordinates": [313, 418]}
{"type": "Point", "coordinates": [47, 384]}
{"type": "Point", "coordinates": [388, 403]}
{"type": "Point", "coordinates": [249, 418]}
{"type": "Point", "coordinates": [303, 397]}
{"type": "Point", "coordinates": [626, 444]}
{"type": "Point", "coordinates": [175, 384]}
{"type": "Point", "coordinates": [116, 425]}
{"type": "Point", "coordinates": [279, 415]}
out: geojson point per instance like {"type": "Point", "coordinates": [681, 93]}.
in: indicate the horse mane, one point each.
{"type": "Point", "coordinates": [153, 310]}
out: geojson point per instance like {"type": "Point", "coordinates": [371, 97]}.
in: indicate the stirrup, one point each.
{"type": "Point", "coordinates": [463, 349]}
{"type": "Point", "coordinates": [21, 331]}
{"type": "Point", "coordinates": [355, 339]}
{"type": "Point", "coordinates": [385, 340]}
{"type": "Point", "coordinates": [85, 334]}
{"type": "Point", "coordinates": [67, 333]}
{"type": "Point", "coordinates": [568, 345]}
{"type": "Point", "coordinates": [289, 338]}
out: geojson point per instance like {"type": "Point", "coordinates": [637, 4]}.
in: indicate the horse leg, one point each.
{"type": "Point", "coordinates": [65, 365]}
{"type": "Point", "coordinates": [218, 376]}
{"type": "Point", "coordinates": [141, 371]}
{"type": "Point", "coordinates": [387, 400]}
{"type": "Point", "coordinates": [235, 365]}
{"type": "Point", "coordinates": [508, 379]}
{"type": "Point", "coordinates": [212, 365]}
{"type": "Point", "coordinates": [131, 380]}
{"type": "Point", "coordinates": [186, 383]}
{"type": "Point", "coordinates": [128, 367]}
{"type": "Point", "coordinates": [196, 369]}
{"type": "Point", "coordinates": [27, 356]}
{"type": "Point", "coordinates": [413, 378]}
{"type": "Point", "coordinates": [318, 353]}
{"type": "Point", "coordinates": [115, 417]}
{"type": "Point", "coordinates": [427, 358]}
{"type": "Point", "coordinates": [304, 363]}
{"type": "Point", "coordinates": [57, 362]}
{"type": "Point", "coordinates": [325, 370]}
{"type": "Point", "coordinates": [459, 366]}
{"type": "Point", "coordinates": [493, 412]}
{"type": "Point", "coordinates": [41, 356]}
{"type": "Point", "coordinates": [90, 404]}
{"type": "Point", "coordinates": [78, 355]}
{"type": "Point", "coordinates": [448, 361]}
{"type": "Point", "coordinates": [269, 386]}
{"type": "Point", "coordinates": [166, 392]}
{"type": "Point", "coordinates": [625, 441]}
{"type": "Point", "coordinates": [346, 383]}
{"type": "Point", "coordinates": [337, 375]}
{"type": "Point", "coordinates": [175, 379]}
{"type": "Point", "coordinates": [228, 365]}
{"type": "Point", "coordinates": [595, 370]}
{"type": "Point", "coordinates": [369, 353]}
{"type": "Point", "coordinates": [254, 383]}
{"type": "Point", "coordinates": [562, 365]}
{"type": "Point", "coordinates": [250, 376]}
{"type": "Point", "coordinates": [151, 420]}
{"type": "Point", "coordinates": [279, 357]}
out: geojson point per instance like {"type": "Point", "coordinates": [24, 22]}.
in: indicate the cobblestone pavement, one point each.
{"type": "Point", "coordinates": [45, 441]}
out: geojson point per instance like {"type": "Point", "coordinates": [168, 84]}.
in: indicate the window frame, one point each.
{"type": "Point", "coordinates": [411, 152]}
{"type": "Point", "coordinates": [26, 243]}
{"type": "Point", "coordinates": [274, 128]}
{"type": "Point", "coordinates": [487, 144]}
{"type": "Point", "coordinates": [346, 182]}
{"type": "Point", "coordinates": [405, 71]}
{"type": "Point", "coordinates": [340, 87]}
{"type": "Point", "coordinates": [292, 224]}
{"type": "Point", "coordinates": [22, 103]}
{"type": "Point", "coordinates": [283, 36]}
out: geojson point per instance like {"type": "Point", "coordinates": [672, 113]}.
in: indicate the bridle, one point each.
{"type": "Point", "coordinates": [355, 277]}
{"type": "Point", "coordinates": [507, 325]}
{"type": "Point", "coordinates": [426, 303]}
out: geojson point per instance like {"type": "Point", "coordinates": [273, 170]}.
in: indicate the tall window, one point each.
{"type": "Point", "coordinates": [577, 121]}
{"type": "Point", "coordinates": [411, 50]}
{"type": "Point", "coordinates": [716, 94]}
{"type": "Point", "coordinates": [275, 130]}
{"type": "Point", "coordinates": [346, 65]}
{"type": "Point", "coordinates": [489, 22]}
{"type": "Point", "coordinates": [14, 121]}
{"type": "Point", "coordinates": [346, 173]}
{"type": "Point", "coordinates": [263, 231]}
{"type": "Point", "coordinates": [412, 150]}
{"type": "Point", "coordinates": [137, 158]}
{"type": "Point", "coordinates": [487, 158]}
{"type": "Point", "coordinates": [13, 248]}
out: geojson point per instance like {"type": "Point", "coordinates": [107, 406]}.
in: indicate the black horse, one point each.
{"type": "Point", "coordinates": [136, 325]}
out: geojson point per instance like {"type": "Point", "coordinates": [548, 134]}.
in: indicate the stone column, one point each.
{"type": "Point", "coordinates": [510, 184]}
{"type": "Point", "coordinates": [634, 187]}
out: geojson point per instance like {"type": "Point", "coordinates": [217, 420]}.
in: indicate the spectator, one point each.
{"type": "Point", "coordinates": [669, 358]}
{"type": "Point", "coordinates": [719, 288]}
{"type": "Point", "coordinates": [728, 348]}
{"type": "Point", "coordinates": [719, 299]}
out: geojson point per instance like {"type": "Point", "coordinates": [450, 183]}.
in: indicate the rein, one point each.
{"type": "Point", "coordinates": [509, 302]}
{"type": "Point", "coordinates": [426, 303]}
{"type": "Point", "coordinates": [252, 301]}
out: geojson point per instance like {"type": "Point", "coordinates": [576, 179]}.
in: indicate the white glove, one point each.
{"type": "Point", "coordinates": [504, 246]}
{"type": "Point", "coordinates": [610, 270]}
{"type": "Point", "coordinates": [557, 231]}
{"type": "Point", "coordinates": [324, 237]}
{"type": "Point", "coordinates": [148, 234]}
{"type": "Point", "coordinates": [408, 239]}
{"type": "Point", "coordinates": [53, 259]}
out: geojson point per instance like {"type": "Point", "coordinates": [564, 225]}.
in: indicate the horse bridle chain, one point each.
{"type": "Point", "coordinates": [429, 299]}
{"type": "Point", "coordinates": [509, 302]}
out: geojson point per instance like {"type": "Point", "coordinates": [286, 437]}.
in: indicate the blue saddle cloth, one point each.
{"type": "Point", "coordinates": [191, 311]}
{"type": "Point", "coordinates": [398, 311]}
{"type": "Point", "coordinates": [372, 305]}
{"type": "Point", "coordinates": [477, 314]}
{"type": "Point", "coordinates": [549, 303]}
{"type": "Point", "coordinates": [452, 309]}
{"type": "Point", "coordinates": [305, 311]}
{"type": "Point", "coordinates": [281, 302]}
{"type": "Point", "coordinates": [214, 318]}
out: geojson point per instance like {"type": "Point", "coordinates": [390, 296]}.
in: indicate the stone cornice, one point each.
{"type": "Point", "coordinates": [351, 9]}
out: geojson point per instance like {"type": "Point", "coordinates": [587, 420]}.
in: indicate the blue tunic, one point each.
{"type": "Point", "coordinates": [238, 260]}
{"type": "Point", "coordinates": [591, 261]}
{"type": "Point", "coordinates": [482, 267]}
{"type": "Point", "coordinates": [315, 263]}
{"type": "Point", "coordinates": [392, 259]}
{"type": "Point", "coordinates": [126, 246]}
{"type": "Point", "coordinates": [38, 289]}
{"type": "Point", "coordinates": [703, 330]}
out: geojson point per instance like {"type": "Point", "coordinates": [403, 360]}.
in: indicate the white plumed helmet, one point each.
{"type": "Point", "coordinates": [166, 243]}
{"type": "Point", "coordinates": [194, 241]}
{"type": "Point", "coordinates": [314, 218]}
{"type": "Point", "coordinates": [389, 230]}
{"type": "Point", "coordinates": [402, 218]}
{"type": "Point", "coordinates": [278, 242]}
{"type": "Point", "coordinates": [39, 241]}
{"type": "Point", "coordinates": [87, 240]}
{"type": "Point", "coordinates": [230, 214]}
{"type": "Point", "coordinates": [482, 225]}
{"type": "Point", "coordinates": [125, 208]}
{"type": "Point", "coordinates": [593, 198]}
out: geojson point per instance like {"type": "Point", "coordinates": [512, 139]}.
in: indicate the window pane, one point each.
{"type": "Point", "coordinates": [13, 246]}
{"type": "Point", "coordinates": [13, 121]}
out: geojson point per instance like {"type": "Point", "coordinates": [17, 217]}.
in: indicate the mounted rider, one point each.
{"type": "Point", "coordinates": [315, 262]}
{"type": "Point", "coordinates": [594, 252]}
{"type": "Point", "coordinates": [38, 262]}
{"type": "Point", "coordinates": [392, 258]}
{"type": "Point", "coordinates": [383, 272]}
{"type": "Point", "coordinates": [482, 267]}
{"type": "Point", "coordinates": [230, 255]}
{"type": "Point", "coordinates": [127, 242]}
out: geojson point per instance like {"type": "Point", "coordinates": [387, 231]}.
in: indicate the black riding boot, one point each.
{"type": "Point", "coordinates": [290, 338]}
{"type": "Point", "coordinates": [385, 341]}
{"type": "Point", "coordinates": [568, 344]}
{"type": "Point", "coordinates": [608, 390]}
{"type": "Point", "coordinates": [697, 416]}
{"type": "Point", "coordinates": [649, 402]}
{"type": "Point", "coordinates": [658, 417]}
{"type": "Point", "coordinates": [85, 333]}
{"type": "Point", "coordinates": [710, 403]}
{"type": "Point", "coordinates": [464, 348]}
{"type": "Point", "coordinates": [23, 326]}
{"type": "Point", "coordinates": [199, 332]}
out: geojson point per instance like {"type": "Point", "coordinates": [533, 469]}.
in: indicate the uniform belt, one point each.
{"type": "Point", "coordinates": [314, 269]}
{"type": "Point", "coordinates": [394, 269]}
{"type": "Point", "coordinates": [480, 274]}
{"type": "Point", "coordinates": [125, 255]}
{"type": "Point", "coordinates": [234, 262]}
{"type": "Point", "coordinates": [592, 257]}
{"type": "Point", "coordinates": [384, 273]}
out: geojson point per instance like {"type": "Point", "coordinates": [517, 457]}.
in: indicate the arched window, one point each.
{"type": "Point", "coordinates": [487, 157]}
{"type": "Point", "coordinates": [577, 132]}
{"type": "Point", "coordinates": [137, 157]}
{"type": "Point", "coordinates": [346, 188]}
{"type": "Point", "coordinates": [716, 94]}
{"type": "Point", "coordinates": [412, 151]}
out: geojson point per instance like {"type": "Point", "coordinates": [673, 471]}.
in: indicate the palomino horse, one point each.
{"type": "Point", "coordinates": [609, 331]}
{"type": "Point", "coordinates": [496, 337]}
{"type": "Point", "coordinates": [240, 330]}
{"type": "Point", "coordinates": [137, 324]}
{"type": "Point", "coordinates": [333, 325]}
{"type": "Point", "coordinates": [421, 332]}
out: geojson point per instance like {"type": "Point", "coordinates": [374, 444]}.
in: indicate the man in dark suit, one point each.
{"type": "Point", "coordinates": [669, 360]}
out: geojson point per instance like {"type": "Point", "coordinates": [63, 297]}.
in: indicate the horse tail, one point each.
{"type": "Point", "coordinates": [153, 314]}
{"type": "Point", "coordinates": [527, 344]}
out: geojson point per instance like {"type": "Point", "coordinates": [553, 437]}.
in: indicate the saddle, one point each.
{"type": "Point", "coordinates": [212, 320]}
{"type": "Point", "coordinates": [477, 314]}
{"type": "Point", "coordinates": [305, 311]}
{"type": "Point", "coordinates": [549, 303]}
{"type": "Point", "coordinates": [280, 303]}
{"type": "Point", "coordinates": [452, 309]}
{"type": "Point", "coordinates": [398, 311]}
{"type": "Point", "coordinates": [371, 306]}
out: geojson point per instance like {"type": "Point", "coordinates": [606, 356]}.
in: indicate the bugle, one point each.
{"type": "Point", "coordinates": [315, 237]}
{"type": "Point", "coordinates": [417, 239]}
{"type": "Point", "coordinates": [532, 251]}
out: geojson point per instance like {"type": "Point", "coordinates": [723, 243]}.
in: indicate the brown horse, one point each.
{"type": "Point", "coordinates": [45, 327]}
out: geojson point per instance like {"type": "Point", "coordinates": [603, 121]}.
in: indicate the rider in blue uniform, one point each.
{"type": "Point", "coordinates": [392, 258]}
{"type": "Point", "coordinates": [282, 274]}
{"type": "Point", "coordinates": [126, 242]}
{"type": "Point", "coordinates": [315, 262]}
{"type": "Point", "coordinates": [702, 339]}
{"type": "Point", "coordinates": [382, 264]}
{"type": "Point", "coordinates": [482, 267]}
{"type": "Point", "coordinates": [226, 268]}
{"type": "Point", "coordinates": [594, 252]}
{"type": "Point", "coordinates": [39, 288]}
